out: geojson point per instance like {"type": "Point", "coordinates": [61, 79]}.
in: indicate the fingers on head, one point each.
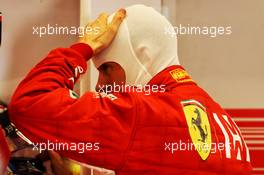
{"type": "Point", "coordinates": [101, 21]}
{"type": "Point", "coordinates": [118, 18]}
{"type": "Point", "coordinates": [103, 17]}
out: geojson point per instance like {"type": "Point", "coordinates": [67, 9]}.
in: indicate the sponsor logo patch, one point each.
{"type": "Point", "coordinates": [198, 126]}
{"type": "Point", "coordinates": [180, 75]}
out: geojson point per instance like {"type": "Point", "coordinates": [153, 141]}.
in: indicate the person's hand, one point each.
{"type": "Point", "coordinates": [59, 165]}
{"type": "Point", "coordinates": [101, 39]}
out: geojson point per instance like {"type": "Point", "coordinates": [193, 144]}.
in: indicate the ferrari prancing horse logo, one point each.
{"type": "Point", "coordinates": [199, 127]}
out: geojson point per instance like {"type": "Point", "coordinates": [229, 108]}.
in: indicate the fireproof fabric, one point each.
{"type": "Point", "coordinates": [4, 148]}
{"type": "Point", "coordinates": [131, 133]}
{"type": "Point", "coordinates": [141, 46]}
{"type": "Point", "coordinates": [4, 153]}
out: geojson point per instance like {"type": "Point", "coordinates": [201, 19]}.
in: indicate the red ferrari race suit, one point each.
{"type": "Point", "coordinates": [176, 129]}
{"type": "Point", "coordinates": [4, 153]}
{"type": "Point", "coordinates": [4, 148]}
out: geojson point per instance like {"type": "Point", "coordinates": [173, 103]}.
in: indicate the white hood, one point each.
{"type": "Point", "coordinates": [141, 46]}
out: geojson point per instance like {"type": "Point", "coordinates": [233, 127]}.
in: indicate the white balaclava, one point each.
{"type": "Point", "coordinates": [141, 46]}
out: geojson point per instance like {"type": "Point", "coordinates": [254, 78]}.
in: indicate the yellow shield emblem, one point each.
{"type": "Point", "coordinates": [199, 127]}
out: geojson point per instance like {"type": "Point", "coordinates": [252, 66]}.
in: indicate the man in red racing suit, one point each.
{"type": "Point", "coordinates": [175, 128]}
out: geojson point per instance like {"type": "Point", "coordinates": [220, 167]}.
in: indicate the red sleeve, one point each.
{"type": "Point", "coordinates": [45, 109]}
{"type": "Point", "coordinates": [4, 153]}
